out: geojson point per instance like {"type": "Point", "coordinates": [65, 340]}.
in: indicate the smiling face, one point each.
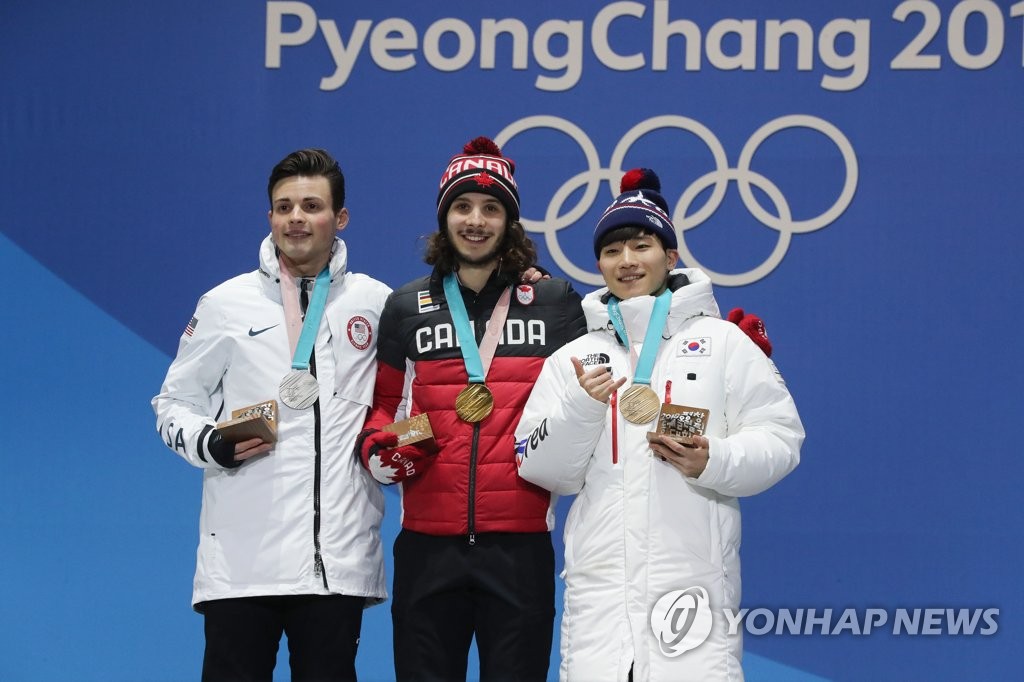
{"type": "Point", "coordinates": [636, 267]}
{"type": "Point", "coordinates": [476, 227]}
{"type": "Point", "coordinates": [303, 223]}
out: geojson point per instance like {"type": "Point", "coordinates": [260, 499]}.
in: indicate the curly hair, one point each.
{"type": "Point", "coordinates": [515, 254]}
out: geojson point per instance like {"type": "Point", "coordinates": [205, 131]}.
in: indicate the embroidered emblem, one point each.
{"type": "Point", "coordinates": [360, 333]}
{"type": "Point", "coordinates": [484, 180]}
{"type": "Point", "coordinates": [524, 294]}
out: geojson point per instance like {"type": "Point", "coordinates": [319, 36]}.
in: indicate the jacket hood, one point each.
{"type": "Point", "coordinates": [692, 296]}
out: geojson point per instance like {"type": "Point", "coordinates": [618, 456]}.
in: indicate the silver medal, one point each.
{"type": "Point", "coordinates": [299, 389]}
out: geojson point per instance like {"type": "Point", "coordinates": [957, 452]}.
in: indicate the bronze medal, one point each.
{"type": "Point", "coordinates": [639, 404]}
{"type": "Point", "coordinates": [474, 403]}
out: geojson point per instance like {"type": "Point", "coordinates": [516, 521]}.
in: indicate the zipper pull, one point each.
{"type": "Point", "coordinates": [472, 539]}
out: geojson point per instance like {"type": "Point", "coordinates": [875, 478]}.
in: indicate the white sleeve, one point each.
{"type": "Point", "coordinates": [190, 396]}
{"type": "Point", "coordinates": [559, 429]}
{"type": "Point", "coordinates": [764, 428]}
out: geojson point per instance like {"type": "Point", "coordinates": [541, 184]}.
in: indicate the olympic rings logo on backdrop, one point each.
{"type": "Point", "coordinates": [742, 174]}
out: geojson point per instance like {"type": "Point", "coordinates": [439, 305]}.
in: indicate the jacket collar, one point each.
{"type": "Point", "coordinates": [270, 269]}
{"type": "Point", "coordinates": [692, 296]}
{"type": "Point", "coordinates": [496, 283]}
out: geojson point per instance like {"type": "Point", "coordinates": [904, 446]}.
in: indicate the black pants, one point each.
{"type": "Point", "coordinates": [242, 636]}
{"type": "Point", "coordinates": [502, 589]}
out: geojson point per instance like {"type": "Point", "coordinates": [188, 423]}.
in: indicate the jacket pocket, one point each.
{"type": "Point", "coordinates": [211, 566]}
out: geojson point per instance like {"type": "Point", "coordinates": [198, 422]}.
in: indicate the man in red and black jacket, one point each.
{"type": "Point", "coordinates": [474, 556]}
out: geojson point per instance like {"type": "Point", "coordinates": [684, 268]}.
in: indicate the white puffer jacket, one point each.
{"type": "Point", "coordinates": [304, 518]}
{"type": "Point", "coordinates": [638, 528]}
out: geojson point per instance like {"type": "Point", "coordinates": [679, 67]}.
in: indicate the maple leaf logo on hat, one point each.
{"type": "Point", "coordinates": [480, 167]}
{"type": "Point", "coordinates": [484, 180]}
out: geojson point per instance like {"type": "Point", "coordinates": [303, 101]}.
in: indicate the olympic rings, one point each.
{"type": "Point", "coordinates": [718, 179]}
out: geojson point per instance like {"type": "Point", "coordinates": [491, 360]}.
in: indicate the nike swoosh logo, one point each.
{"type": "Point", "coordinates": [260, 331]}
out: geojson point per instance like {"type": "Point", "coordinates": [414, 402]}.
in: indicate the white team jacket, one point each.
{"type": "Point", "coordinates": [638, 528]}
{"type": "Point", "coordinates": [305, 517]}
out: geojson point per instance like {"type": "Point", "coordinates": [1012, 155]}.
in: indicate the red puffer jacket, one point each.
{"type": "Point", "coordinates": [473, 486]}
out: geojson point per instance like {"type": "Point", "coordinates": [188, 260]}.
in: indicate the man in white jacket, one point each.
{"type": "Point", "coordinates": [652, 539]}
{"type": "Point", "coordinates": [290, 530]}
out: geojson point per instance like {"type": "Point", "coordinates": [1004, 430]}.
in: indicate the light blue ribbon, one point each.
{"type": "Point", "coordinates": [652, 339]}
{"type": "Point", "coordinates": [467, 342]}
{"type": "Point", "coordinates": [311, 325]}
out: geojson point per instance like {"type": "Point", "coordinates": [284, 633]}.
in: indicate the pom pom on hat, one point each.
{"type": "Point", "coordinates": [481, 145]}
{"type": "Point", "coordinates": [639, 204]}
{"type": "Point", "coordinates": [640, 178]}
{"type": "Point", "coordinates": [479, 168]}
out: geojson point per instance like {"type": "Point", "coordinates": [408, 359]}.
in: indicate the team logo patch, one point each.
{"type": "Point", "coordinates": [700, 347]}
{"type": "Point", "coordinates": [360, 333]}
{"type": "Point", "coordinates": [426, 303]}
{"type": "Point", "coordinates": [524, 294]}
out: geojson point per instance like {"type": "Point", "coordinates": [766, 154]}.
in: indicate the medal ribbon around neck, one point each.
{"type": "Point", "coordinates": [640, 404]}
{"type": "Point", "coordinates": [475, 401]}
{"type": "Point", "coordinates": [299, 388]}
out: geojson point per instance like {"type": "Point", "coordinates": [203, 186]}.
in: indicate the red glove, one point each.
{"type": "Point", "coordinates": [387, 463]}
{"type": "Point", "coordinates": [753, 327]}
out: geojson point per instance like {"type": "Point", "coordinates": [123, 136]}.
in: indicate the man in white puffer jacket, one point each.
{"type": "Point", "coordinates": [290, 531]}
{"type": "Point", "coordinates": [652, 539]}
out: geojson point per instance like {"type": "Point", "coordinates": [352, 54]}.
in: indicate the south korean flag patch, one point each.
{"type": "Point", "coordinates": [699, 347]}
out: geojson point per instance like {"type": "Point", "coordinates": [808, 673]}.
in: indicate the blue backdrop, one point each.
{"type": "Point", "coordinates": [851, 171]}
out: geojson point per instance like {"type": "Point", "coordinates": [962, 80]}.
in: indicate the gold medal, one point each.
{"type": "Point", "coordinates": [639, 404]}
{"type": "Point", "coordinates": [474, 403]}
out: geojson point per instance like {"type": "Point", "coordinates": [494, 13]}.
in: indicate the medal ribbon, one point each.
{"type": "Point", "coordinates": [477, 360]}
{"type": "Point", "coordinates": [652, 339]}
{"type": "Point", "coordinates": [302, 342]}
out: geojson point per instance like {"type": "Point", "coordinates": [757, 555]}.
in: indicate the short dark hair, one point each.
{"type": "Point", "coordinates": [517, 252]}
{"type": "Point", "coordinates": [310, 163]}
{"type": "Point", "coordinates": [625, 233]}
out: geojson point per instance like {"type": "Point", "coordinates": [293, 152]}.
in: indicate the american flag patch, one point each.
{"type": "Point", "coordinates": [191, 326]}
{"type": "Point", "coordinates": [426, 303]}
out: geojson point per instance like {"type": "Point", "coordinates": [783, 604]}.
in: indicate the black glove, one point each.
{"type": "Point", "coordinates": [222, 451]}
